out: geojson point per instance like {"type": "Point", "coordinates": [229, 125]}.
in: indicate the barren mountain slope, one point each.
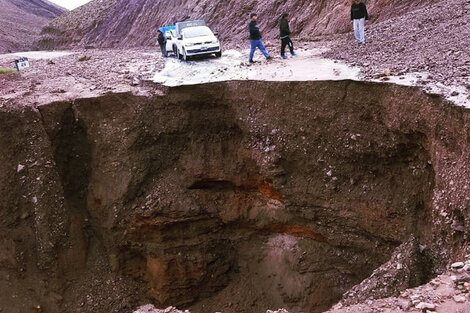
{"type": "Point", "coordinates": [418, 41]}
{"type": "Point", "coordinates": [21, 22]}
{"type": "Point", "coordinates": [130, 23]}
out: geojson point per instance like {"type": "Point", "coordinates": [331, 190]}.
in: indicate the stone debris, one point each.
{"type": "Point", "coordinates": [151, 309]}
{"type": "Point", "coordinates": [278, 311]}
{"type": "Point", "coordinates": [135, 81]}
{"type": "Point", "coordinates": [467, 286]}
{"type": "Point", "coordinates": [426, 306]}
{"type": "Point", "coordinates": [403, 270]}
{"type": "Point", "coordinates": [460, 299]}
{"type": "Point", "coordinates": [448, 292]}
{"type": "Point", "coordinates": [414, 42]}
{"type": "Point", "coordinates": [20, 168]}
{"type": "Point", "coordinates": [457, 265]}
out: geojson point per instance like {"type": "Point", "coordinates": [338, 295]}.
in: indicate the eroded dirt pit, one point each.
{"type": "Point", "coordinates": [230, 196]}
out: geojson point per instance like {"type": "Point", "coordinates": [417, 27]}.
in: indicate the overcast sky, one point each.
{"type": "Point", "coordinates": [70, 4]}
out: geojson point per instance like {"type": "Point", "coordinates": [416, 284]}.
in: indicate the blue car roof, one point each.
{"type": "Point", "coordinates": [164, 29]}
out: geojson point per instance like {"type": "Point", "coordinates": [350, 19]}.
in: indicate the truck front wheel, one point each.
{"type": "Point", "coordinates": [185, 56]}
{"type": "Point", "coordinates": [218, 54]}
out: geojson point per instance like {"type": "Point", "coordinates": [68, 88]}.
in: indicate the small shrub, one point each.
{"type": "Point", "coordinates": [5, 71]}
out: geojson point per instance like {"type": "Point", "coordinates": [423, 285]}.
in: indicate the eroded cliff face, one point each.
{"type": "Point", "coordinates": [133, 23]}
{"type": "Point", "coordinates": [237, 196]}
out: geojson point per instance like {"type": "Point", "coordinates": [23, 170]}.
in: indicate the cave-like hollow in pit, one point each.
{"type": "Point", "coordinates": [233, 197]}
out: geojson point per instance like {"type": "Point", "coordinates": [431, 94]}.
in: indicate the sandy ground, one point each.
{"type": "Point", "coordinates": [67, 75]}
{"type": "Point", "coordinates": [307, 65]}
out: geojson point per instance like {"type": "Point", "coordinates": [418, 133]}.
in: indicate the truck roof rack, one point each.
{"type": "Point", "coordinates": [181, 25]}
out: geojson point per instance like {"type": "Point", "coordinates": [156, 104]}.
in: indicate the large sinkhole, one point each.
{"type": "Point", "coordinates": [238, 196]}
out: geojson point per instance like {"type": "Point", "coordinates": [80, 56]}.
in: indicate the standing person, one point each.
{"type": "Point", "coordinates": [255, 38]}
{"type": "Point", "coordinates": [358, 16]}
{"type": "Point", "coordinates": [285, 36]}
{"type": "Point", "coordinates": [162, 43]}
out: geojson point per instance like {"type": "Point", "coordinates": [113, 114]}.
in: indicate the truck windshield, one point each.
{"type": "Point", "coordinates": [199, 31]}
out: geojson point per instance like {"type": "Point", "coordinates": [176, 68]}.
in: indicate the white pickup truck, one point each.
{"type": "Point", "coordinates": [194, 38]}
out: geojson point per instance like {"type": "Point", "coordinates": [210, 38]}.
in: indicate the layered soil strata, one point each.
{"type": "Point", "coordinates": [235, 196]}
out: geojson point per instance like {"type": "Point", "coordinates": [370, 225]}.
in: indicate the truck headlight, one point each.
{"type": "Point", "coordinates": [189, 44]}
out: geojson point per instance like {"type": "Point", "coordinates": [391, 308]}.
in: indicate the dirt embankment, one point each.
{"type": "Point", "coordinates": [124, 23]}
{"type": "Point", "coordinates": [216, 197]}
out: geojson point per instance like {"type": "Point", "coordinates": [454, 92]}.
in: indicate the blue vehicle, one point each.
{"type": "Point", "coordinates": [170, 35]}
{"type": "Point", "coordinates": [165, 29]}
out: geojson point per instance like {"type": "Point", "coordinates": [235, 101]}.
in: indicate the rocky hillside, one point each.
{"type": "Point", "coordinates": [412, 42]}
{"type": "Point", "coordinates": [130, 23]}
{"type": "Point", "coordinates": [21, 22]}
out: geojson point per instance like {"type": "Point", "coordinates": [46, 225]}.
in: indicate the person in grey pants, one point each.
{"type": "Point", "coordinates": [358, 16]}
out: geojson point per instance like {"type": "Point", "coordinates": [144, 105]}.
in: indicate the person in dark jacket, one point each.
{"type": "Point", "coordinates": [162, 43]}
{"type": "Point", "coordinates": [285, 36]}
{"type": "Point", "coordinates": [358, 16]}
{"type": "Point", "coordinates": [255, 38]}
